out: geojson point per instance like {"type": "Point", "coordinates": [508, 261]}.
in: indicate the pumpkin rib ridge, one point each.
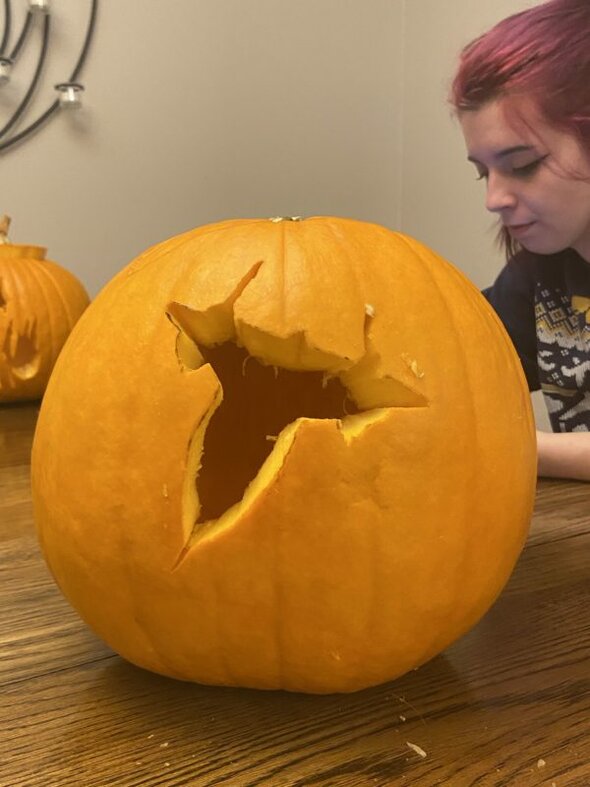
{"type": "Point", "coordinates": [427, 268]}
{"type": "Point", "coordinates": [486, 310]}
{"type": "Point", "coordinates": [282, 264]}
{"type": "Point", "coordinates": [44, 277]}
{"type": "Point", "coordinates": [345, 251]}
{"type": "Point", "coordinates": [483, 308]}
{"type": "Point", "coordinates": [172, 244]}
{"type": "Point", "coordinates": [52, 271]}
{"type": "Point", "coordinates": [475, 426]}
{"type": "Point", "coordinates": [221, 657]}
{"type": "Point", "coordinates": [279, 602]}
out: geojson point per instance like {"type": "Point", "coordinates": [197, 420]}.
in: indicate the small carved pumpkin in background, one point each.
{"type": "Point", "coordinates": [39, 304]}
{"type": "Point", "coordinates": [302, 456]}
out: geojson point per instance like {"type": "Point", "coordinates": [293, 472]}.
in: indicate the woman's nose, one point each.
{"type": "Point", "coordinates": [499, 195]}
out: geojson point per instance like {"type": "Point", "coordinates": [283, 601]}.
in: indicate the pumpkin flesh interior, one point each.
{"type": "Point", "coordinates": [241, 444]}
{"type": "Point", "coordinates": [258, 403]}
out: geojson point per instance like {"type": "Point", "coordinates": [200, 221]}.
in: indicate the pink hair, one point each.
{"type": "Point", "coordinates": [542, 54]}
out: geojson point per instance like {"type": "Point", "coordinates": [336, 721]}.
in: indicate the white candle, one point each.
{"type": "Point", "coordinates": [39, 6]}
{"type": "Point", "coordinates": [70, 95]}
{"type": "Point", "coordinates": [5, 69]}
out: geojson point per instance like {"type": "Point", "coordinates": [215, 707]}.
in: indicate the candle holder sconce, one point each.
{"type": "Point", "coordinates": [69, 93]}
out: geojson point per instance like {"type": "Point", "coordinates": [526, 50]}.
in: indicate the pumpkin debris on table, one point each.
{"type": "Point", "coordinates": [378, 527]}
{"type": "Point", "coordinates": [40, 302]}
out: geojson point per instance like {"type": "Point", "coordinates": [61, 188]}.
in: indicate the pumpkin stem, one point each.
{"type": "Point", "coordinates": [4, 225]}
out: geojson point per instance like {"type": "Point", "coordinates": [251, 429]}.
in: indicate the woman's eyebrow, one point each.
{"type": "Point", "coordinates": [505, 152]}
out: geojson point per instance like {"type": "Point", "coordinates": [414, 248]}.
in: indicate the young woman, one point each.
{"type": "Point", "coordinates": [522, 95]}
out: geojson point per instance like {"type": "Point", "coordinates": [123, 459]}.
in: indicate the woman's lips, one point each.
{"type": "Point", "coordinates": [517, 230]}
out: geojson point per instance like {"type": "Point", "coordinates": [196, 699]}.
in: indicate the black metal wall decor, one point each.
{"type": "Point", "coordinates": [68, 92]}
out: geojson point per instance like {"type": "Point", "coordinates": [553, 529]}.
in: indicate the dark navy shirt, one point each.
{"type": "Point", "coordinates": [544, 303]}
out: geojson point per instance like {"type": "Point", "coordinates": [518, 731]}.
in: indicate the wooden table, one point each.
{"type": "Point", "coordinates": [509, 704]}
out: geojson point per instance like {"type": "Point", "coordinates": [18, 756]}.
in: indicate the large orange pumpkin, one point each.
{"type": "Point", "coordinates": [39, 304]}
{"type": "Point", "coordinates": [285, 454]}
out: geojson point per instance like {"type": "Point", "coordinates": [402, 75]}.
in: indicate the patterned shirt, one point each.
{"type": "Point", "coordinates": [544, 303]}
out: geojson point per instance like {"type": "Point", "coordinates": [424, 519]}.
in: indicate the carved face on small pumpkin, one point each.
{"type": "Point", "coordinates": [39, 304]}
{"type": "Point", "coordinates": [274, 455]}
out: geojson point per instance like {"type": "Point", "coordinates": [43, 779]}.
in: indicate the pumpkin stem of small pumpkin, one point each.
{"type": "Point", "coordinates": [4, 225]}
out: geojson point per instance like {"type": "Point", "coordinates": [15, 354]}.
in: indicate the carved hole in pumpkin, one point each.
{"type": "Point", "coordinates": [258, 402]}
{"type": "Point", "coordinates": [20, 351]}
{"type": "Point", "coordinates": [3, 301]}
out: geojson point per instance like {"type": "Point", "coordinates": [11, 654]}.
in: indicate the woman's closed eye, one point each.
{"type": "Point", "coordinates": [528, 169]}
{"type": "Point", "coordinates": [518, 171]}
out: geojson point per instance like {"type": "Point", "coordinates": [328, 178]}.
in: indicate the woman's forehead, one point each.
{"type": "Point", "coordinates": [495, 127]}
{"type": "Point", "coordinates": [508, 123]}
{"type": "Point", "coordinates": [507, 127]}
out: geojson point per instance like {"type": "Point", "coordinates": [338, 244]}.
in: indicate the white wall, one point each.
{"type": "Point", "coordinates": [201, 110]}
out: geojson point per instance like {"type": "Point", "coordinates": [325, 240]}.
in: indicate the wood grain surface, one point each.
{"type": "Point", "coordinates": [507, 705]}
